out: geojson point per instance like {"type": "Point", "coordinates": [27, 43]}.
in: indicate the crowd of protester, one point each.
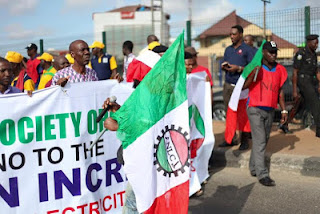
{"type": "Point", "coordinates": [82, 63]}
{"type": "Point", "coordinates": [90, 63]}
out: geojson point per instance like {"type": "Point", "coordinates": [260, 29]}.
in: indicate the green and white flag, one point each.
{"type": "Point", "coordinates": [201, 133]}
{"type": "Point", "coordinates": [154, 130]}
{"type": "Point", "coordinates": [237, 118]}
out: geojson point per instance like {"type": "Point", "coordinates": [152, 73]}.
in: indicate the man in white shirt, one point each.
{"type": "Point", "coordinates": [127, 48]}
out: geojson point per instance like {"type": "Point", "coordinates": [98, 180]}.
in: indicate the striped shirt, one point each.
{"type": "Point", "coordinates": [74, 76]}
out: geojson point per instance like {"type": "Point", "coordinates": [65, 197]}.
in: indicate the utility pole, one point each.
{"type": "Point", "coordinates": [264, 16]}
{"type": "Point", "coordinates": [189, 23]}
{"type": "Point", "coordinates": [152, 16]}
{"type": "Point", "coordinates": [190, 10]}
{"type": "Point", "coordinates": [157, 5]}
{"type": "Point", "coordinates": [307, 20]}
{"type": "Point", "coordinates": [161, 22]}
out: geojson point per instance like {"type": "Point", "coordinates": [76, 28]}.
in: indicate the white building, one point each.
{"type": "Point", "coordinates": [132, 23]}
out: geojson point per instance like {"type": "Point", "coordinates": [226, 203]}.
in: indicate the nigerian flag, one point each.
{"type": "Point", "coordinates": [237, 117]}
{"type": "Point", "coordinates": [154, 130]}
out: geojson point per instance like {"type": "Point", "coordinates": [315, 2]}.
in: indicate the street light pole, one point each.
{"type": "Point", "coordinates": [152, 16]}
{"type": "Point", "coordinates": [189, 23]}
{"type": "Point", "coordinates": [190, 10]}
{"type": "Point", "coordinates": [264, 16]}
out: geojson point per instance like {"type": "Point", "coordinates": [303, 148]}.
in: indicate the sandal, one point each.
{"type": "Point", "coordinates": [199, 193]}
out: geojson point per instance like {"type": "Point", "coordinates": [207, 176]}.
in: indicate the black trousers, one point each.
{"type": "Point", "coordinates": [308, 87]}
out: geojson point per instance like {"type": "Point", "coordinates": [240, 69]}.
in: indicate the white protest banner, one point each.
{"type": "Point", "coordinates": [202, 138]}
{"type": "Point", "coordinates": [45, 164]}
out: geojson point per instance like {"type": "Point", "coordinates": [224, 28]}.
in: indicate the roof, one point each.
{"type": "Point", "coordinates": [282, 43]}
{"type": "Point", "coordinates": [222, 27]}
{"type": "Point", "coordinates": [131, 8]}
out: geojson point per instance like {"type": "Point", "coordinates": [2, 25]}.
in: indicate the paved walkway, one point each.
{"type": "Point", "coordinates": [299, 151]}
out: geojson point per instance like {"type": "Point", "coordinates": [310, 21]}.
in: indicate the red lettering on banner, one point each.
{"type": "Point", "coordinates": [121, 197]}
{"type": "Point", "coordinates": [115, 200]}
{"type": "Point", "coordinates": [96, 210]}
{"type": "Point", "coordinates": [82, 208]}
{"type": "Point", "coordinates": [106, 204]}
{"type": "Point", "coordinates": [103, 203]}
{"type": "Point", "coordinates": [53, 211]}
{"type": "Point", "coordinates": [68, 209]}
{"type": "Point", "coordinates": [127, 15]}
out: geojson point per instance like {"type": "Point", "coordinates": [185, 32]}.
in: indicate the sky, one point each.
{"type": "Point", "coordinates": [25, 21]}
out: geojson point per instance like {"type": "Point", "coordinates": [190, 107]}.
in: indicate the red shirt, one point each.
{"type": "Point", "coordinates": [265, 91]}
{"type": "Point", "coordinates": [200, 68]}
{"type": "Point", "coordinates": [32, 71]}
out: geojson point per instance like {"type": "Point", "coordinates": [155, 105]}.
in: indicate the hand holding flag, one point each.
{"type": "Point", "coordinates": [154, 130]}
{"type": "Point", "coordinates": [234, 117]}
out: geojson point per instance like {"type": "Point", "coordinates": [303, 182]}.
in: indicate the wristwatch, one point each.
{"type": "Point", "coordinates": [284, 112]}
{"type": "Point", "coordinates": [239, 69]}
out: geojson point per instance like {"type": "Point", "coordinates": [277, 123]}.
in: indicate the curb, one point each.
{"type": "Point", "coordinates": [305, 165]}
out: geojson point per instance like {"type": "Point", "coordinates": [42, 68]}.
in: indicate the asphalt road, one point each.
{"type": "Point", "coordinates": [233, 190]}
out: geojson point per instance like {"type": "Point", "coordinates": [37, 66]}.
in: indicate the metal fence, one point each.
{"type": "Point", "coordinates": [287, 27]}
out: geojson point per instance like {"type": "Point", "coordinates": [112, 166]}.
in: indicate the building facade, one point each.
{"type": "Point", "coordinates": [132, 23]}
